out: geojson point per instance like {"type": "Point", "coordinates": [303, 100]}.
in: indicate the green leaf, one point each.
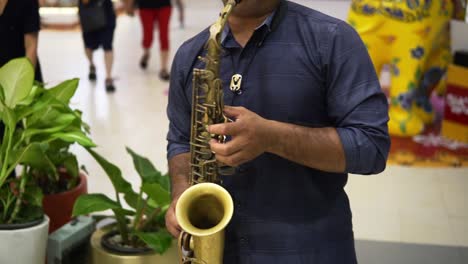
{"type": "Point", "coordinates": [59, 124]}
{"type": "Point", "coordinates": [9, 118]}
{"type": "Point", "coordinates": [35, 156]}
{"type": "Point", "coordinates": [16, 78]}
{"type": "Point", "coordinates": [38, 109]}
{"type": "Point", "coordinates": [159, 241]}
{"type": "Point", "coordinates": [113, 172]}
{"type": "Point", "coordinates": [132, 199]}
{"type": "Point", "coordinates": [144, 167]}
{"type": "Point", "coordinates": [71, 164]}
{"type": "Point", "coordinates": [157, 193]}
{"type": "Point", "coordinates": [65, 90]}
{"type": "Point", "coordinates": [74, 136]}
{"type": "Point", "coordinates": [29, 213]}
{"type": "Point", "coordinates": [36, 89]}
{"type": "Point", "coordinates": [92, 203]}
{"type": "Point", "coordinates": [33, 195]}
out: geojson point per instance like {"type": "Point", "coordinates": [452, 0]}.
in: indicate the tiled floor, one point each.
{"type": "Point", "coordinates": [416, 215]}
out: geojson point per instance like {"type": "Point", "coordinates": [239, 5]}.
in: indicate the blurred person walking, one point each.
{"type": "Point", "coordinates": [19, 28]}
{"type": "Point", "coordinates": [98, 21]}
{"type": "Point", "coordinates": [151, 12]}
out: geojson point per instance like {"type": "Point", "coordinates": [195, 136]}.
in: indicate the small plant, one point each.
{"type": "Point", "coordinates": [39, 128]}
{"type": "Point", "coordinates": [146, 227]}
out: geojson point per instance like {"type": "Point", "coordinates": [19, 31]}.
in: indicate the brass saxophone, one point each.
{"type": "Point", "coordinates": [205, 208]}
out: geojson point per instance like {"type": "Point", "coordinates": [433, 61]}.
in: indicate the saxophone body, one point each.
{"type": "Point", "coordinates": [205, 208]}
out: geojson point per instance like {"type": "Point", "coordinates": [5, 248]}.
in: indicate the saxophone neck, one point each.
{"type": "Point", "coordinates": [218, 26]}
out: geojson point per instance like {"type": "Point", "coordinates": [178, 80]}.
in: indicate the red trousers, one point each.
{"type": "Point", "coordinates": [148, 17]}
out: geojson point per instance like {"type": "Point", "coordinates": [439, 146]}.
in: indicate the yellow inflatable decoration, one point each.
{"type": "Point", "coordinates": [413, 38]}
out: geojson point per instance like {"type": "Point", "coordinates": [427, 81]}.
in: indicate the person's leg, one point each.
{"type": "Point", "coordinates": [147, 17]}
{"type": "Point", "coordinates": [163, 17]}
{"type": "Point", "coordinates": [92, 68]}
{"type": "Point", "coordinates": [91, 43]}
{"type": "Point", "coordinates": [108, 38]}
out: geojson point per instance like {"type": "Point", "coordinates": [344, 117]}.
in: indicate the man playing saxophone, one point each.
{"type": "Point", "coordinates": [307, 109]}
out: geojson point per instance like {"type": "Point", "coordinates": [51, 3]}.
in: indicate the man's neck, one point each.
{"type": "Point", "coordinates": [243, 27]}
{"type": "Point", "coordinates": [3, 4]}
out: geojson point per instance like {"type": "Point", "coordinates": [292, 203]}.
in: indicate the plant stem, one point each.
{"type": "Point", "coordinates": [149, 219]}
{"type": "Point", "coordinates": [19, 199]}
{"type": "Point", "coordinates": [121, 221]}
{"type": "Point", "coordinates": [122, 226]}
{"type": "Point", "coordinates": [139, 211]}
{"type": "Point", "coordinates": [3, 174]}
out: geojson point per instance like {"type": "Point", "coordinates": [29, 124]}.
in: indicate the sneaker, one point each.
{"type": "Point", "coordinates": [144, 61]}
{"type": "Point", "coordinates": [92, 73]}
{"type": "Point", "coordinates": [164, 75]}
{"type": "Point", "coordinates": [110, 85]}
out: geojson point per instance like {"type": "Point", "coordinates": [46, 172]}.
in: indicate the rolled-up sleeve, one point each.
{"type": "Point", "coordinates": [31, 21]}
{"type": "Point", "coordinates": [178, 110]}
{"type": "Point", "coordinates": [355, 102]}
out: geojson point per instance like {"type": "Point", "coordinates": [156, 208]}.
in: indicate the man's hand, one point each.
{"type": "Point", "coordinates": [171, 221]}
{"type": "Point", "coordinates": [250, 137]}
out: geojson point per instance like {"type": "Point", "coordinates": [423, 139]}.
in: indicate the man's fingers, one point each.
{"type": "Point", "coordinates": [233, 112]}
{"type": "Point", "coordinates": [173, 230]}
{"type": "Point", "coordinates": [229, 129]}
{"type": "Point", "coordinates": [226, 149]}
{"type": "Point", "coordinates": [233, 160]}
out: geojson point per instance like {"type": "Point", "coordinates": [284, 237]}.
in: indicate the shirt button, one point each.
{"type": "Point", "coordinates": [243, 240]}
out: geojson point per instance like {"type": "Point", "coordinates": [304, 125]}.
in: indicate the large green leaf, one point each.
{"type": "Point", "coordinates": [113, 172]}
{"type": "Point", "coordinates": [92, 203]}
{"type": "Point", "coordinates": [35, 156]}
{"type": "Point", "coordinates": [144, 167]}
{"type": "Point", "coordinates": [132, 199]}
{"type": "Point", "coordinates": [75, 136]}
{"type": "Point", "coordinates": [38, 109]}
{"type": "Point", "coordinates": [71, 164]}
{"type": "Point", "coordinates": [50, 111]}
{"type": "Point", "coordinates": [65, 90]}
{"type": "Point", "coordinates": [28, 100]}
{"type": "Point", "coordinates": [16, 78]}
{"type": "Point", "coordinates": [57, 125]}
{"type": "Point", "coordinates": [159, 241]}
{"type": "Point", "coordinates": [157, 193]}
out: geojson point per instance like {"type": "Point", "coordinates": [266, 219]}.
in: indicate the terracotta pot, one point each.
{"type": "Point", "coordinates": [59, 206]}
{"type": "Point", "coordinates": [24, 245]}
{"type": "Point", "coordinates": [99, 255]}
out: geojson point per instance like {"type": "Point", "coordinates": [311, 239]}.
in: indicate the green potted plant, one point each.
{"type": "Point", "coordinates": [26, 141]}
{"type": "Point", "coordinates": [139, 235]}
{"type": "Point", "coordinates": [63, 182]}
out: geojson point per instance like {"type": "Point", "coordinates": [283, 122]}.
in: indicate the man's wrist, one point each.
{"type": "Point", "coordinates": [271, 136]}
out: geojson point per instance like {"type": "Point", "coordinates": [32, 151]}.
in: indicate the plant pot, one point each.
{"type": "Point", "coordinates": [25, 245]}
{"type": "Point", "coordinates": [100, 255]}
{"type": "Point", "coordinates": [59, 206]}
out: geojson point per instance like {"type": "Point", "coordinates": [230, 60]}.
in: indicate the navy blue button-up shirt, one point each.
{"type": "Point", "coordinates": [305, 68]}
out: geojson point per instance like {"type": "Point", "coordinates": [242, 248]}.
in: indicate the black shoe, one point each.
{"type": "Point", "coordinates": [164, 75]}
{"type": "Point", "coordinates": [92, 73]}
{"type": "Point", "coordinates": [144, 61]}
{"type": "Point", "coordinates": [110, 86]}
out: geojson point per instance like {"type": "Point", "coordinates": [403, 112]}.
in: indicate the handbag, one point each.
{"type": "Point", "coordinates": [93, 16]}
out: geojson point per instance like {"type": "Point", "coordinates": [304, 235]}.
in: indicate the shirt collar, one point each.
{"type": "Point", "coordinates": [267, 23]}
